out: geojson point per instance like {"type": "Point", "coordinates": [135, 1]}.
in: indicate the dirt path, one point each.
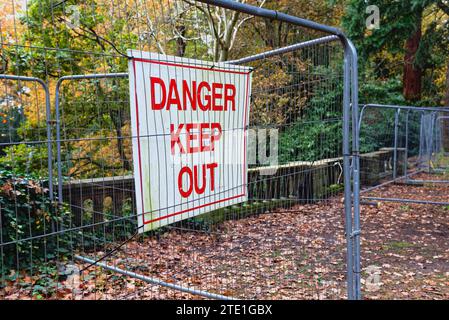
{"type": "Point", "coordinates": [409, 242]}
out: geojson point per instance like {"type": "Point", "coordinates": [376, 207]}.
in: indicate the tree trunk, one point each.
{"type": "Point", "coordinates": [118, 121]}
{"type": "Point", "coordinates": [224, 54]}
{"type": "Point", "coordinates": [412, 76]}
{"type": "Point", "coordinates": [273, 33]}
{"type": "Point", "coordinates": [181, 44]}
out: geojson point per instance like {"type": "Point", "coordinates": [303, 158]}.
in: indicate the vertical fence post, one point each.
{"type": "Point", "coordinates": [432, 128]}
{"type": "Point", "coordinates": [347, 175]}
{"type": "Point", "coordinates": [406, 145]}
{"type": "Point", "coordinates": [355, 235]}
{"type": "Point", "coordinates": [395, 148]}
{"type": "Point", "coordinates": [58, 140]}
{"type": "Point", "coordinates": [49, 139]}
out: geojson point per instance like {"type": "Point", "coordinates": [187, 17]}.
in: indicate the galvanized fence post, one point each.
{"type": "Point", "coordinates": [395, 147]}
{"type": "Point", "coordinates": [356, 171]}
{"type": "Point", "coordinates": [407, 118]}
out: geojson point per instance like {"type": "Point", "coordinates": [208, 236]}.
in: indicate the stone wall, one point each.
{"type": "Point", "coordinates": [301, 181]}
{"type": "Point", "coordinates": [377, 165]}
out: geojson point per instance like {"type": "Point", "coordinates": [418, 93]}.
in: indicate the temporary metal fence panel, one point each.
{"type": "Point", "coordinates": [400, 142]}
{"type": "Point", "coordinates": [405, 200]}
{"type": "Point", "coordinates": [298, 234]}
{"type": "Point", "coordinates": [26, 176]}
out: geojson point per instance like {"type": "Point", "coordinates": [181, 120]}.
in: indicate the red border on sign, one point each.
{"type": "Point", "coordinates": [138, 136]}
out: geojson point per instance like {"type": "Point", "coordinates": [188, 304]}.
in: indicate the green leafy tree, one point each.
{"type": "Point", "coordinates": [87, 36]}
{"type": "Point", "coordinates": [412, 33]}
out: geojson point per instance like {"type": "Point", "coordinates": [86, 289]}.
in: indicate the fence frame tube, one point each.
{"type": "Point", "coordinates": [395, 150]}
{"type": "Point", "coordinates": [155, 281]}
{"type": "Point", "coordinates": [48, 122]}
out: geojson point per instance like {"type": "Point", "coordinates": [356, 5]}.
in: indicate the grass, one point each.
{"type": "Point", "coordinates": [276, 253]}
{"type": "Point", "coordinates": [398, 245]}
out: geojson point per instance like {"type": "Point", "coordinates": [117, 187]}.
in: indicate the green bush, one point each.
{"type": "Point", "coordinates": [27, 159]}
{"type": "Point", "coordinates": [317, 135]}
{"type": "Point", "coordinates": [27, 217]}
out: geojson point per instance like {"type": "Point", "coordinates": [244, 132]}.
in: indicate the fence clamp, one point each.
{"type": "Point", "coordinates": [355, 233]}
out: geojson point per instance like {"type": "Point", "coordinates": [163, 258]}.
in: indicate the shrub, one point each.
{"type": "Point", "coordinates": [22, 158]}
{"type": "Point", "coordinates": [317, 135]}
{"type": "Point", "coordinates": [27, 216]}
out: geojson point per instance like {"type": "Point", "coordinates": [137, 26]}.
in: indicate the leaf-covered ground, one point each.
{"type": "Point", "coordinates": [294, 253]}
{"type": "Point", "coordinates": [408, 242]}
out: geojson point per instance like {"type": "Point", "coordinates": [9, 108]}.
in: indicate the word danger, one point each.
{"type": "Point", "coordinates": [190, 138]}
{"type": "Point", "coordinates": [202, 95]}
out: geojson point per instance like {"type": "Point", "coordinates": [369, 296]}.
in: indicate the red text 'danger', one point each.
{"type": "Point", "coordinates": [194, 137]}
{"type": "Point", "coordinates": [204, 96]}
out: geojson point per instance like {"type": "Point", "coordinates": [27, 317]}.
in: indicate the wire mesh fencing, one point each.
{"type": "Point", "coordinates": [71, 214]}
{"type": "Point", "coordinates": [400, 144]}
{"type": "Point", "coordinates": [405, 200]}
